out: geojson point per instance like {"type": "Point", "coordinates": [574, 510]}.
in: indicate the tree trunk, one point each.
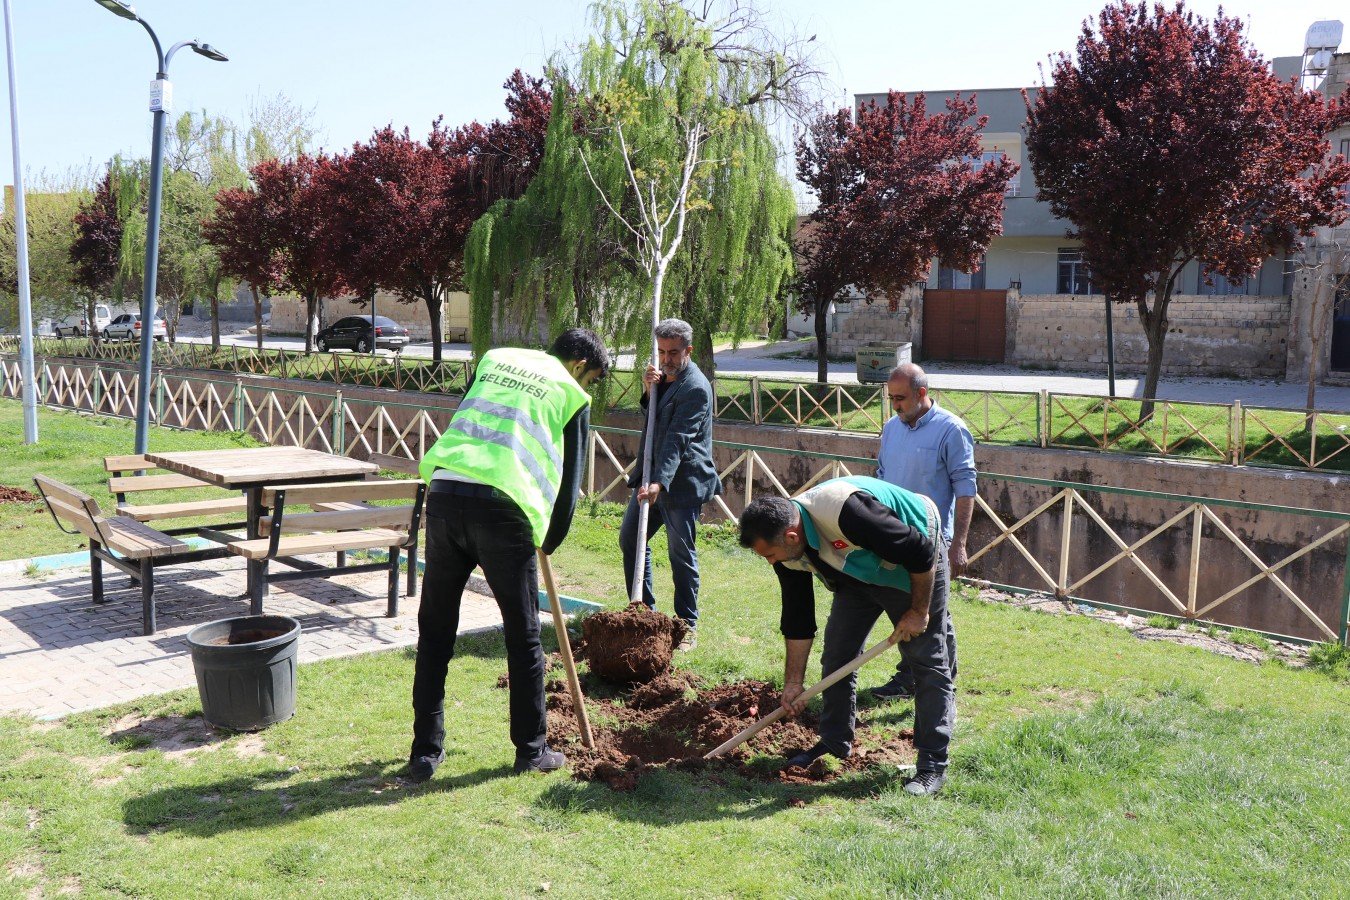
{"type": "Point", "coordinates": [822, 340]}
{"type": "Point", "coordinates": [93, 333]}
{"type": "Point", "coordinates": [215, 319]}
{"type": "Point", "coordinates": [257, 316]}
{"type": "Point", "coordinates": [434, 304]}
{"type": "Point", "coordinates": [1155, 330]}
{"type": "Point", "coordinates": [311, 321]}
{"type": "Point", "coordinates": [703, 351]}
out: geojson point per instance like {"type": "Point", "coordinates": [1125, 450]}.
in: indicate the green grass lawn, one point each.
{"type": "Point", "coordinates": [1086, 763]}
{"type": "Point", "coordinates": [71, 448]}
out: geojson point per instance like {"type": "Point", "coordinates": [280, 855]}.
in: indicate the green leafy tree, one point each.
{"type": "Point", "coordinates": [658, 174]}
{"type": "Point", "coordinates": [52, 204]}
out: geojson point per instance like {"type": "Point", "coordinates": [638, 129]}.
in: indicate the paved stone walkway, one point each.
{"type": "Point", "coordinates": [60, 653]}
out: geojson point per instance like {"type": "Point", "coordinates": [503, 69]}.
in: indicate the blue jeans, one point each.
{"type": "Point", "coordinates": [855, 610]}
{"type": "Point", "coordinates": [681, 523]}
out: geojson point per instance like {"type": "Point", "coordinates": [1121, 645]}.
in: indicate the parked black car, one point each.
{"type": "Point", "coordinates": [355, 333]}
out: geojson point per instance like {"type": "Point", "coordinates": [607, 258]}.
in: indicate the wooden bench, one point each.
{"type": "Point", "coordinates": [140, 549]}
{"type": "Point", "coordinates": [120, 484]}
{"type": "Point", "coordinates": [403, 466]}
{"type": "Point", "coordinates": [344, 520]}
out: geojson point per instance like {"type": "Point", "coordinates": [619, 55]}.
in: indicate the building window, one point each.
{"type": "Point", "coordinates": [1222, 287]}
{"type": "Point", "coordinates": [1073, 273]}
{"type": "Point", "coordinates": [955, 280]}
{"type": "Point", "coordinates": [979, 162]}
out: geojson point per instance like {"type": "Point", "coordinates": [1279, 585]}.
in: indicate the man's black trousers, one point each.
{"type": "Point", "coordinates": [468, 526]}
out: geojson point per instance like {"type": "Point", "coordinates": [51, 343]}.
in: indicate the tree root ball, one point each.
{"type": "Point", "coordinates": [631, 645]}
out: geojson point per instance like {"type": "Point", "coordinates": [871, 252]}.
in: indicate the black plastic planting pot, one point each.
{"type": "Point", "coordinates": [246, 670]}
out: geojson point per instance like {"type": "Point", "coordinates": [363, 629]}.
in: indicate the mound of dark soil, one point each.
{"type": "Point", "coordinates": [630, 645]}
{"type": "Point", "coordinates": [16, 495]}
{"type": "Point", "coordinates": [672, 721]}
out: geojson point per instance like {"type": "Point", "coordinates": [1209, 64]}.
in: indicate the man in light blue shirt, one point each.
{"type": "Point", "coordinates": [929, 451]}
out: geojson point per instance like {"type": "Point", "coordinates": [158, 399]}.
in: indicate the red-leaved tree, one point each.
{"type": "Point", "coordinates": [238, 231]}
{"type": "Point", "coordinates": [897, 188]}
{"type": "Point", "coordinates": [1165, 139]}
{"type": "Point", "coordinates": [298, 223]}
{"type": "Point", "coordinates": [96, 250]}
{"type": "Point", "coordinates": [401, 228]}
{"type": "Point", "coordinates": [404, 207]}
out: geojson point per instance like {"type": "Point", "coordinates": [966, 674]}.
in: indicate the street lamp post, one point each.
{"type": "Point", "coordinates": [161, 101]}
{"type": "Point", "coordinates": [26, 373]}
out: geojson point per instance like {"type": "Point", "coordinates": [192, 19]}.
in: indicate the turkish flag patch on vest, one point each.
{"type": "Point", "coordinates": [840, 545]}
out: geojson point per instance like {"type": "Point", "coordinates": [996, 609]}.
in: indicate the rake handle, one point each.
{"type": "Point", "coordinates": [565, 648]}
{"type": "Point", "coordinates": [828, 681]}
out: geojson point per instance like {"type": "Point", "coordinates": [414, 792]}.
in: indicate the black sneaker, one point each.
{"type": "Point", "coordinates": [900, 687]}
{"type": "Point", "coordinates": [548, 761]}
{"type": "Point", "coordinates": [421, 768]}
{"type": "Point", "coordinates": [806, 757]}
{"type": "Point", "coordinates": [925, 784]}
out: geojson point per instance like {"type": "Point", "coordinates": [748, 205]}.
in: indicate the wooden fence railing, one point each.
{"type": "Point", "coordinates": [360, 427]}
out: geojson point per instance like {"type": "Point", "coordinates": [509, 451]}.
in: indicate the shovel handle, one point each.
{"type": "Point", "coordinates": [837, 675]}
{"type": "Point", "coordinates": [565, 649]}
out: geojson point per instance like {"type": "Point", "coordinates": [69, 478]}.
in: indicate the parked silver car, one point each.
{"type": "Point", "coordinates": [127, 327]}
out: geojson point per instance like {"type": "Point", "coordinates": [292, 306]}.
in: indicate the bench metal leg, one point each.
{"type": "Point", "coordinates": [96, 572]}
{"type": "Point", "coordinates": [393, 582]}
{"type": "Point", "coordinates": [148, 596]}
{"type": "Point", "coordinates": [257, 587]}
{"type": "Point", "coordinates": [412, 571]}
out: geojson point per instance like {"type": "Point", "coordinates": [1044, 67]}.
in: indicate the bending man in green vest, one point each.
{"type": "Point", "coordinates": [878, 548]}
{"type": "Point", "coordinates": [504, 479]}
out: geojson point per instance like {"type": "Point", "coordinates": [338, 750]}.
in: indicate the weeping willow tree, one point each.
{"type": "Point", "coordinates": [659, 173]}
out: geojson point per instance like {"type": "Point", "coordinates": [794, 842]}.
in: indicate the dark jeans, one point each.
{"type": "Point", "coordinates": [464, 532]}
{"type": "Point", "coordinates": [906, 674]}
{"type": "Point", "coordinates": [681, 524]}
{"type": "Point", "coordinates": [855, 610]}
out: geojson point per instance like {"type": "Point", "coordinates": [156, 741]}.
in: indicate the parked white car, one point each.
{"type": "Point", "coordinates": [127, 327]}
{"type": "Point", "coordinates": [78, 324]}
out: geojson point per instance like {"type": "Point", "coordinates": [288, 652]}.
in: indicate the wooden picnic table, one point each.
{"type": "Point", "coordinates": [252, 470]}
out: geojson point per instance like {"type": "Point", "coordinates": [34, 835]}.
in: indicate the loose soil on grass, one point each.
{"type": "Point", "coordinates": [16, 495]}
{"type": "Point", "coordinates": [670, 722]}
{"type": "Point", "coordinates": [630, 645]}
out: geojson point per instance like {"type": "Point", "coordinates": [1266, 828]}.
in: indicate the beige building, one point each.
{"type": "Point", "coordinates": [1032, 301]}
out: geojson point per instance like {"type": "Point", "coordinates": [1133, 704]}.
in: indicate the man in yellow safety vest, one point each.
{"type": "Point", "coordinates": [504, 479]}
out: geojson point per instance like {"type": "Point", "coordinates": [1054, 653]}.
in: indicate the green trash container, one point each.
{"type": "Point", "coordinates": [246, 670]}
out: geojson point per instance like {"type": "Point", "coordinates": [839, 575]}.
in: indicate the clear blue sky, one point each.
{"type": "Point", "coordinates": [83, 73]}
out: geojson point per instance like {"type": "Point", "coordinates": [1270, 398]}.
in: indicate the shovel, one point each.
{"type": "Point", "coordinates": [838, 674]}
{"type": "Point", "coordinates": [565, 648]}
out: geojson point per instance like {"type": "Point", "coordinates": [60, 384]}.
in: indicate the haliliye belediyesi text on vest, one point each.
{"type": "Point", "coordinates": [534, 386]}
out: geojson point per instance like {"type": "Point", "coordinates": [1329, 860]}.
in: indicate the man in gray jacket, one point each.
{"type": "Point", "coordinates": [683, 476]}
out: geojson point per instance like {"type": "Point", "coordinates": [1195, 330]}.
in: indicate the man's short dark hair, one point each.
{"type": "Point", "coordinates": [582, 343]}
{"type": "Point", "coordinates": [765, 520]}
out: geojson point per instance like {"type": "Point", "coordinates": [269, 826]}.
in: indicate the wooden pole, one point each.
{"type": "Point", "coordinates": [565, 648]}
{"type": "Point", "coordinates": [837, 675]}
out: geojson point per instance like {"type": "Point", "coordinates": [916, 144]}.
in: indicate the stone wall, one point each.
{"type": "Point", "coordinates": [1215, 336]}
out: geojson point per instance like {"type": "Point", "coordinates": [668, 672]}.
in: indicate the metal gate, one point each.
{"type": "Point", "coordinates": [964, 325]}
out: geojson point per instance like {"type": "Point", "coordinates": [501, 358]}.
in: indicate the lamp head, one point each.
{"type": "Point", "coordinates": [206, 50]}
{"type": "Point", "coordinates": [118, 8]}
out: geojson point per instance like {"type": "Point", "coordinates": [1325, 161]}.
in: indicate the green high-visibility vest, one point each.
{"type": "Point", "coordinates": [508, 430]}
{"type": "Point", "coordinates": [820, 508]}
